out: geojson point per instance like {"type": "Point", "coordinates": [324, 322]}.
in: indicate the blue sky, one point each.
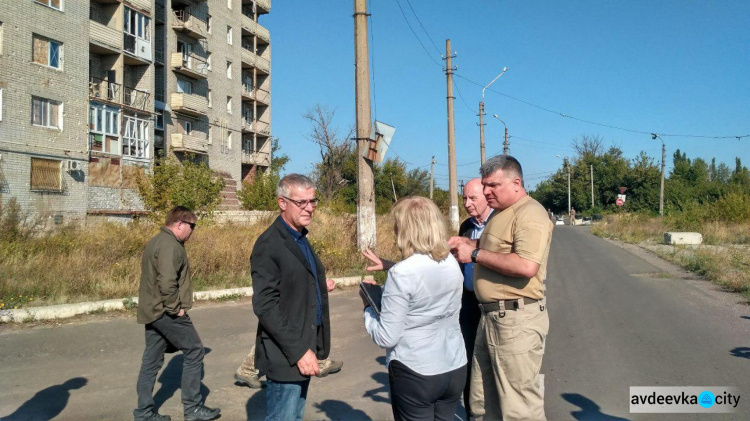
{"type": "Point", "coordinates": [671, 67]}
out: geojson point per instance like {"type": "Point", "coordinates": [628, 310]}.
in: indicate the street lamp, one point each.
{"type": "Point", "coordinates": [661, 189]}
{"type": "Point", "coordinates": [506, 146]}
{"type": "Point", "coordinates": [481, 114]}
{"type": "Point", "coordinates": [565, 163]}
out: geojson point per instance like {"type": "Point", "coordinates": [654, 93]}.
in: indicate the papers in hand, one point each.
{"type": "Point", "coordinates": [373, 294]}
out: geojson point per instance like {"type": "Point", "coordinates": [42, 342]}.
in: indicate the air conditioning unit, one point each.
{"type": "Point", "coordinates": [71, 165]}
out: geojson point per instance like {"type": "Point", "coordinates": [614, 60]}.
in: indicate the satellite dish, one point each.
{"type": "Point", "coordinates": [380, 139]}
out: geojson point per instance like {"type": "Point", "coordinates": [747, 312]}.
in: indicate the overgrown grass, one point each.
{"type": "Point", "coordinates": [74, 263]}
{"type": "Point", "coordinates": [724, 258]}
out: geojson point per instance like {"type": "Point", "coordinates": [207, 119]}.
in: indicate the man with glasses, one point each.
{"type": "Point", "coordinates": [164, 297]}
{"type": "Point", "coordinates": [290, 298]}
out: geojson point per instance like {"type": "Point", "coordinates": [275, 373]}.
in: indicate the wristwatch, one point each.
{"type": "Point", "coordinates": [474, 254]}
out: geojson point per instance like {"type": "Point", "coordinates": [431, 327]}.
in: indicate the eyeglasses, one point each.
{"type": "Point", "coordinates": [302, 204]}
{"type": "Point", "coordinates": [192, 224]}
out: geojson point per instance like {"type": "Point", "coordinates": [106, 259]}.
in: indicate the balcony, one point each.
{"type": "Point", "coordinates": [183, 21]}
{"type": "Point", "coordinates": [191, 65]}
{"type": "Point", "coordinates": [248, 93]}
{"type": "Point", "coordinates": [189, 104]}
{"type": "Point", "coordinates": [262, 95]}
{"type": "Point", "coordinates": [256, 158]}
{"type": "Point", "coordinates": [264, 6]}
{"type": "Point", "coordinates": [262, 128]}
{"type": "Point", "coordinates": [188, 143]}
{"type": "Point", "coordinates": [104, 90]}
{"type": "Point", "coordinates": [250, 59]}
{"type": "Point", "coordinates": [106, 40]}
{"type": "Point", "coordinates": [143, 5]}
{"type": "Point", "coordinates": [247, 123]}
{"type": "Point", "coordinates": [253, 27]}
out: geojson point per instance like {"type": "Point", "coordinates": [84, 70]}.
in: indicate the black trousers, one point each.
{"type": "Point", "coordinates": [418, 397]}
{"type": "Point", "coordinates": [180, 333]}
{"type": "Point", "coordinates": [468, 318]}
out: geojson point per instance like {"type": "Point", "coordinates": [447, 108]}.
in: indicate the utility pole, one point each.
{"type": "Point", "coordinates": [592, 186]}
{"type": "Point", "coordinates": [506, 145]}
{"type": "Point", "coordinates": [453, 187]}
{"type": "Point", "coordinates": [366, 232]}
{"type": "Point", "coordinates": [432, 176]}
{"type": "Point", "coordinates": [663, 157]}
{"type": "Point", "coordinates": [568, 165]}
{"type": "Point", "coordinates": [481, 130]}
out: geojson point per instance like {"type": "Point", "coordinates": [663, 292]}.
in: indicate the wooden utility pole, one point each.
{"type": "Point", "coordinates": [366, 233]}
{"type": "Point", "coordinates": [432, 176]}
{"type": "Point", "coordinates": [481, 130]}
{"type": "Point", "coordinates": [453, 187]}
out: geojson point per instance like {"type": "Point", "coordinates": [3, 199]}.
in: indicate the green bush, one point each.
{"type": "Point", "coordinates": [174, 183]}
{"type": "Point", "coordinates": [733, 207]}
{"type": "Point", "coordinates": [260, 194]}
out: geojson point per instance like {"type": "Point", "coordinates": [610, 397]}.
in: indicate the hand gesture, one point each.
{"type": "Point", "coordinates": [330, 284]}
{"type": "Point", "coordinates": [372, 257]}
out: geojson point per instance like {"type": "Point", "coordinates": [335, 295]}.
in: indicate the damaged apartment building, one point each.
{"type": "Point", "coordinates": [92, 91]}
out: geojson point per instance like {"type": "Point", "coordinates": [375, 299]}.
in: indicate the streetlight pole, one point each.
{"type": "Point", "coordinates": [481, 115]}
{"type": "Point", "coordinates": [506, 145]}
{"type": "Point", "coordinates": [661, 189]}
{"type": "Point", "coordinates": [566, 165]}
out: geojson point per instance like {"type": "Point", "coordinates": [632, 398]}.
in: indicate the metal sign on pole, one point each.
{"type": "Point", "coordinates": [380, 139]}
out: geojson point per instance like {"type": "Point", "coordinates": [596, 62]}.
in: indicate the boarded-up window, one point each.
{"type": "Point", "coordinates": [46, 51]}
{"type": "Point", "coordinates": [45, 175]}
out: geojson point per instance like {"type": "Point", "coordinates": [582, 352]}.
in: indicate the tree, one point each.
{"type": "Point", "coordinates": [334, 152]}
{"type": "Point", "coordinates": [185, 183]}
{"type": "Point", "coordinates": [260, 192]}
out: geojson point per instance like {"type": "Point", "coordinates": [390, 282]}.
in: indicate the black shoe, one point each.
{"type": "Point", "coordinates": [155, 417]}
{"type": "Point", "coordinates": [202, 413]}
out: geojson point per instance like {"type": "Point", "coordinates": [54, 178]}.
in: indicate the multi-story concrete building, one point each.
{"type": "Point", "coordinates": [92, 91]}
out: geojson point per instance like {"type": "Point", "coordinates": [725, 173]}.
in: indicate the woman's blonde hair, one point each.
{"type": "Point", "coordinates": [420, 228]}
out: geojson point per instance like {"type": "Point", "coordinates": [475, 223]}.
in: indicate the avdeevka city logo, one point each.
{"type": "Point", "coordinates": [706, 399]}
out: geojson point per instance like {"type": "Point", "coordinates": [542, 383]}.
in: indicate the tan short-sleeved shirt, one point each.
{"type": "Point", "coordinates": [524, 229]}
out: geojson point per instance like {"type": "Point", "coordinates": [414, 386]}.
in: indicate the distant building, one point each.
{"type": "Point", "coordinates": [92, 91]}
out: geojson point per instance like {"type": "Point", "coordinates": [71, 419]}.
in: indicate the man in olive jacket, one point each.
{"type": "Point", "coordinates": [290, 299]}
{"type": "Point", "coordinates": [164, 298]}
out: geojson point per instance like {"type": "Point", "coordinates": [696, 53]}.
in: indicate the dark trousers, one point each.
{"type": "Point", "coordinates": [418, 397]}
{"type": "Point", "coordinates": [180, 333]}
{"type": "Point", "coordinates": [468, 318]}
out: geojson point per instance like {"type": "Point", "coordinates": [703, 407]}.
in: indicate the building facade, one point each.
{"type": "Point", "coordinates": [92, 91]}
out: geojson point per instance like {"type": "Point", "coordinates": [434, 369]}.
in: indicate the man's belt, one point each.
{"type": "Point", "coordinates": [509, 304]}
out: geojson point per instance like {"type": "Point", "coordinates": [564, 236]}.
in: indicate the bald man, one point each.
{"type": "Point", "coordinates": [479, 211]}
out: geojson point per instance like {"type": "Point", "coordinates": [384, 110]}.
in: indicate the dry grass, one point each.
{"type": "Point", "coordinates": [75, 264]}
{"type": "Point", "coordinates": [724, 258]}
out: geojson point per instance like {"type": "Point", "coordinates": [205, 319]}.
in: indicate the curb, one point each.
{"type": "Point", "coordinates": [64, 311]}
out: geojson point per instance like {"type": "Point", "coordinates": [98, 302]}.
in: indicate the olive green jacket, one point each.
{"type": "Point", "coordinates": [165, 278]}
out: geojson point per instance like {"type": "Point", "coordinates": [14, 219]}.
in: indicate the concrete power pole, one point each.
{"type": "Point", "coordinates": [432, 176]}
{"type": "Point", "coordinates": [366, 232]}
{"type": "Point", "coordinates": [506, 145]}
{"type": "Point", "coordinates": [661, 189]}
{"type": "Point", "coordinates": [592, 186]}
{"type": "Point", "coordinates": [481, 130]}
{"type": "Point", "coordinates": [453, 187]}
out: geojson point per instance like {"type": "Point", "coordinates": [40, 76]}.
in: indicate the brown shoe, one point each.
{"type": "Point", "coordinates": [329, 367]}
{"type": "Point", "coordinates": [250, 380]}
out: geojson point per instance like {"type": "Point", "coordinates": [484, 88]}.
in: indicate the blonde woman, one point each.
{"type": "Point", "coordinates": [418, 324]}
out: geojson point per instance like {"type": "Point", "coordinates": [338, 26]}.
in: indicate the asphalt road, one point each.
{"type": "Point", "coordinates": [617, 320]}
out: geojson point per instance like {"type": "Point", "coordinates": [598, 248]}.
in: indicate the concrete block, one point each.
{"type": "Point", "coordinates": [689, 238]}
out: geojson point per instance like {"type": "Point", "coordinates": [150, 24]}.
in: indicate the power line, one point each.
{"type": "Point", "coordinates": [415, 34]}
{"type": "Point", "coordinates": [420, 24]}
{"type": "Point", "coordinates": [564, 115]}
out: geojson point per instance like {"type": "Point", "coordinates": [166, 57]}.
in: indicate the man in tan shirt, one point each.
{"type": "Point", "coordinates": [510, 269]}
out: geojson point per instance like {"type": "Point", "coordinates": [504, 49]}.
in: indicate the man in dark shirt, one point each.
{"type": "Point", "coordinates": [164, 297]}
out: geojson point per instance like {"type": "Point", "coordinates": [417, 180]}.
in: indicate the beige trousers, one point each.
{"type": "Point", "coordinates": [508, 351]}
{"type": "Point", "coordinates": [247, 367]}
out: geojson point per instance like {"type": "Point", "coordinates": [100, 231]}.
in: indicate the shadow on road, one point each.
{"type": "Point", "coordinates": [589, 409]}
{"type": "Point", "coordinates": [741, 352]}
{"type": "Point", "coordinates": [47, 403]}
{"type": "Point", "coordinates": [255, 407]}
{"type": "Point", "coordinates": [338, 410]}
{"type": "Point", "coordinates": [170, 380]}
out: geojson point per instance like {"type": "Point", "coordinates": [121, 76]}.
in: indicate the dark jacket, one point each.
{"type": "Point", "coordinates": [285, 301]}
{"type": "Point", "coordinates": [465, 231]}
{"type": "Point", "coordinates": [165, 278]}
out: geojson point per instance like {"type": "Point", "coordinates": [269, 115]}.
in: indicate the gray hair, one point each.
{"type": "Point", "coordinates": [290, 181]}
{"type": "Point", "coordinates": [509, 165]}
